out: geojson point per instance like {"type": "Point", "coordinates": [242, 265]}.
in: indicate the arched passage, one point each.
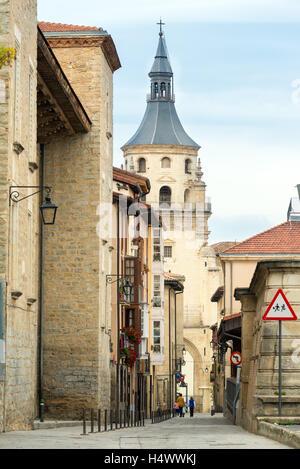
{"type": "Point", "coordinates": [195, 373]}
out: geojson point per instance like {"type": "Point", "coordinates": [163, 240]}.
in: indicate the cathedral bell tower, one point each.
{"type": "Point", "coordinates": [163, 151]}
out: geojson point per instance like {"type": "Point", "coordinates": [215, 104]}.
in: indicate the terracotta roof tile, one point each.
{"type": "Point", "coordinates": [49, 27]}
{"type": "Point", "coordinates": [281, 239]}
{"type": "Point", "coordinates": [223, 246]}
{"type": "Point", "coordinates": [232, 316]}
{"type": "Point", "coordinates": [176, 277]}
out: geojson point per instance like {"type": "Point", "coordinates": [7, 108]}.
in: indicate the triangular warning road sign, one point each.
{"type": "Point", "coordinates": [280, 309]}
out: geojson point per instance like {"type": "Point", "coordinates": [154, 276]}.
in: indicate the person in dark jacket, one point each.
{"type": "Point", "coordinates": [191, 406]}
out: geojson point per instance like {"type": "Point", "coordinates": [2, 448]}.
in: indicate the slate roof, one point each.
{"type": "Point", "coordinates": [161, 126]}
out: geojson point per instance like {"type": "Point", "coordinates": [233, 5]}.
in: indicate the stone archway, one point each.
{"type": "Point", "coordinates": [198, 375]}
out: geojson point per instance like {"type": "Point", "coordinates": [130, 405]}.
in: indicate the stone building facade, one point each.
{"type": "Point", "coordinates": [162, 150]}
{"type": "Point", "coordinates": [164, 376]}
{"type": "Point", "coordinates": [77, 255]}
{"type": "Point", "coordinates": [259, 378]}
{"type": "Point", "coordinates": [54, 350]}
{"type": "Point", "coordinates": [19, 227]}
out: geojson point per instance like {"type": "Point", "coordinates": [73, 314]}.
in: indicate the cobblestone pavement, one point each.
{"type": "Point", "coordinates": [200, 432]}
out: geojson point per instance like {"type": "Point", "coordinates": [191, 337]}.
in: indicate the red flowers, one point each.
{"type": "Point", "coordinates": [128, 355]}
{"type": "Point", "coordinates": [133, 335]}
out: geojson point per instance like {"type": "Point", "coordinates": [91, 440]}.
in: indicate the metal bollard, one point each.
{"type": "Point", "coordinates": [111, 419]}
{"type": "Point", "coordinates": [99, 420]}
{"type": "Point", "coordinates": [116, 420]}
{"type": "Point", "coordinates": [84, 423]}
{"type": "Point", "coordinates": [105, 420]}
{"type": "Point", "coordinates": [92, 421]}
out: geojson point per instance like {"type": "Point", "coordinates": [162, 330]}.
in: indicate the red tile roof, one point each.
{"type": "Point", "coordinates": [281, 239]}
{"type": "Point", "coordinates": [176, 277]}
{"type": "Point", "coordinates": [223, 246]}
{"type": "Point", "coordinates": [49, 27]}
{"type": "Point", "coordinates": [232, 316]}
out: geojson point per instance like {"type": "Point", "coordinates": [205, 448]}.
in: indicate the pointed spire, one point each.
{"type": "Point", "coordinates": [161, 63]}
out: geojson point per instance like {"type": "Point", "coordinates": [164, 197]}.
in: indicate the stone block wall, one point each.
{"type": "Point", "coordinates": [259, 393]}
{"type": "Point", "coordinates": [19, 232]}
{"type": "Point", "coordinates": [77, 257]}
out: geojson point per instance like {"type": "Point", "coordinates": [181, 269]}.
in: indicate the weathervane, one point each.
{"type": "Point", "coordinates": [160, 25]}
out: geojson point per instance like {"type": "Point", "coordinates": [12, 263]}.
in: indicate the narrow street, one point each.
{"type": "Point", "coordinates": [200, 432]}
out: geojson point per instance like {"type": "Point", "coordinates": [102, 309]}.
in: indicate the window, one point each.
{"type": "Point", "coordinates": [188, 167]}
{"type": "Point", "coordinates": [187, 196]}
{"type": "Point", "coordinates": [163, 89]}
{"type": "Point", "coordinates": [165, 196]}
{"type": "Point", "coordinates": [168, 251]}
{"type": "Point", "coordinates": [141, 165]}
{"type": "Point", "coordinates": [130, 275]}
{"type": "Point", "coordinates": [156, 245]}
{"type": "Point", "coordinates": [156, 336]}
{"type": "Point", "coordinates": [156, 292]}
{"type": "Point", "coordinates": [166, 163]}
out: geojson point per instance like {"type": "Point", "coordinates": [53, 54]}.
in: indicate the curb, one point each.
{"type": "Point", "coordinates": [55, 424]}
{"type": "Point", "coordinates": [278, 433]}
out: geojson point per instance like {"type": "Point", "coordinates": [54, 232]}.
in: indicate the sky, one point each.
{"type": "Point", "coordinates": [236, 67]}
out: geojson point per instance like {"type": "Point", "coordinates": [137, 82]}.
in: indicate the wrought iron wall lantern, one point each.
{"type": "Point", "coordinates": [126, 284]}
{"type": "Point", "coordinates": [48, 209]}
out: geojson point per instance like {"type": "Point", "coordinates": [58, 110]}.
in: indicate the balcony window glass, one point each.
{"type": "Point", "coordinates": [156, 336]}
{"type": "Point", "coordinates": [168, 251]}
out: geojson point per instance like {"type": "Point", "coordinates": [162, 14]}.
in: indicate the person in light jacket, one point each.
{"type": "Point", "coordinates": [181, 404]}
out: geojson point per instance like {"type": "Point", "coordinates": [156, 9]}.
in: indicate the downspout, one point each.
{"type": "Point", "coordinates": [170, 375]}
{"type": "Point", "coordinates": [176, 293]}
{"type": "Point", "coordinates": [231, 287]}
{"type": "Point", "coordinates": [118, 311]}
{"type": "Point", "coordinates": [41, 309]}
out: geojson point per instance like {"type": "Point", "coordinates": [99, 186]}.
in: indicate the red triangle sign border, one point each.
{"type": "Point", "coordinates": [265, 316]}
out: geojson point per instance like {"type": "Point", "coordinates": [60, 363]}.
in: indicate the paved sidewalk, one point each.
{"type": "Point", "coordinates": [200, 432]}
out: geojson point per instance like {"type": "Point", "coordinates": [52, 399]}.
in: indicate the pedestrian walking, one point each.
{"type": "Point", "coordinates": [180, 402]}
{"type": "Point", "coordinates": [176, 408]}
{"type": "Point", "coordinates": [191, 406]}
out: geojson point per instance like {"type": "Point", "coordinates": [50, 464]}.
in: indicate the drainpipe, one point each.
{"type": "Point", "coordinates": [176, 293]}
{"type": "Point", "coordinates": [118, 312]}
{"type": "Point", "coordinates": [170, 375]}
{"type": "Point", "coordinates": [41, 309]}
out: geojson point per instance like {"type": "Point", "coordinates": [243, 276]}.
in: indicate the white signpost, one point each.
{"type": "Point", "coordinates": [279, 310]}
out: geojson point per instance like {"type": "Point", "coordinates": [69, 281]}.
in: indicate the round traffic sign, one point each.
{"type": "Point", "coordinates": [236, 358]}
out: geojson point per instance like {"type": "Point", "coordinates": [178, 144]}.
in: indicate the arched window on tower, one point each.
{"type": "Point", "coordinates": [188, 167]}
{"type": "Point", "coordinates": [165, 196]}
{"type": "Point", "coordinates": [156, 90]}
{"type": "Point", "coordinates": [141, 165]}
{"type": "Point", "coordinates": [169, 90]}
{"type": "Point", "coordinates": [163, 89]}
{"type": "Point", "coordinates": [187, 196]}
{"type": "Point", "coordinates": [166, 162]}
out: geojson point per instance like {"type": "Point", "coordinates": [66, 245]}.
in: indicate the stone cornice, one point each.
{"type": "Point", "coordinates": [159, 149]}
{"type": "Point", "coordinates": [104, 41]}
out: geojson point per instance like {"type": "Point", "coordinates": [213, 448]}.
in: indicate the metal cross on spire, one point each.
{"type": "Point", "coordinates": [160, 25]}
